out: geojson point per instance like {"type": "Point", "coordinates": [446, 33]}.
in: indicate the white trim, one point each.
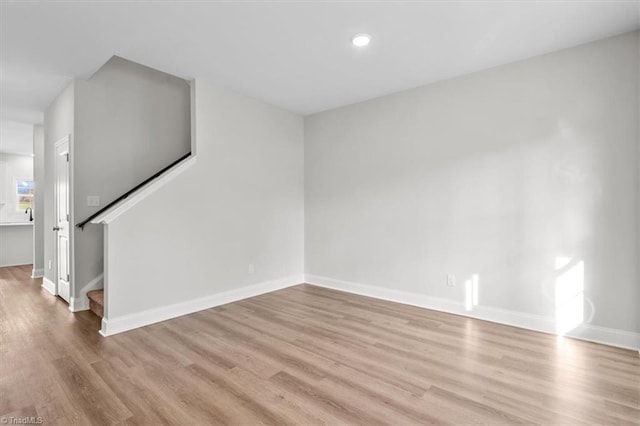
{"type": "Point", "coordinates": [592, 333]}
{"type": "Point", "coordinates": [607, 336]}
{"type": "Point", "coordinates": [194, 145]}
{"type": "Point", "coordinates": [105, 268]}
{"type": "Point", "coordinates": [25, 263]}
{"type": "Point", "coordinates": [70, 176]}
{"type": "Point", "coordinates": [116, 325]}
{"type": "Point", "coordinates": [49, 286]}
{"type": "Point", "coordinates": [114, 212]}
{"type": "Point", "coordinates": [37, 273]}
{"type": "Point", "coordinates": [81, 303]}
{"type": "Point", "coordinates": [17, 196]}
{"type": "Point", "coordinates": [104, 327]}
{"type": "Point", "coordinates": [77, 304]}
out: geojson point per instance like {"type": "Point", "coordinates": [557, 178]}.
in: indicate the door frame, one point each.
{"type": "Point", "coordinates": [65, 139]}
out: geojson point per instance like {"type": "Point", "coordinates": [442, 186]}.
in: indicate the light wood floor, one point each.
{"type": "Point", "coordinates": [304, 355]}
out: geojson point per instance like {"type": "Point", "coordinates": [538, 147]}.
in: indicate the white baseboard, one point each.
{"type": "Point", "coordinates": [49, 286]}
{"type": "Point", "coordinates": [592, 333]}
{"type": "Point", "coordinates": [81, 303]}
{"type": "Point", "coordinates": [607, 336]}
{"type": "Point", "coordinates": [116, 325]}
{"type": "Point", "coordinates": [37, 273]}
{"type": "Point", "coordinates": [23, 263]}
{"type": "Point", "coordinates": [77, 304]}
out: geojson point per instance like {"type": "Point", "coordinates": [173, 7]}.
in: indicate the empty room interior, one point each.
{"type": "Point", "coordinates": [306, 212]}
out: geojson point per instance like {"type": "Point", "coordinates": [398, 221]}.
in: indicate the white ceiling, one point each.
{"type": "Point", "coordinates": [293, 54]}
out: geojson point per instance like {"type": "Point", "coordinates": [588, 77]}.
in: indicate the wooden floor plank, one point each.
{"type": "Point", "coordinates": [304, 355]}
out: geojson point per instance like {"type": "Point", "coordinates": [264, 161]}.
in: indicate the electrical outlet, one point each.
{"type": "Point", "coordinates": [49, 263]}
{"type": "Point", "coordinates": [252, 269]}
{"type": "Point", "coordinates": [451, 280]}
{"type": "Point", "coordinates": [93, 201]}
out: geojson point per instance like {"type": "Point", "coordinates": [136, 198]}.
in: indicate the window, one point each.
{"type": "Point", "coordinates": [24, 194]}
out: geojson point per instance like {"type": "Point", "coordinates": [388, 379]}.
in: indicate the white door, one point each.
{"type": "Point", "coordinates": [62, 218]}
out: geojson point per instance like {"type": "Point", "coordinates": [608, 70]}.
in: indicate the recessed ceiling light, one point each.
{"type": "Point", "coordinates": [360, 40]}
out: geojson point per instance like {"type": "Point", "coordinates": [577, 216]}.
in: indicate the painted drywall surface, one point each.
{"type": "Point", "coordinates": [58, 123]}
{"type": "Point", "coordinates": [507, 174]}
{"type": "Point", "coordinates": [638, 171]}
{"type": "Point", "coordinates": [38, 210]}
{"type": "Point", "coordinates": [241, 203]}
{"type": "Point", "coordinates": [131, 121]}
{"type": "Point", "coordinates": [16, 137]}
{"type": "Point", "coordinates": [13, 168]}
{"type": "Point", "coordinates": [16, 244]}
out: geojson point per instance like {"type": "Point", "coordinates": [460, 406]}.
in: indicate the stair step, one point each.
{"type": "Point", "coordinates": [96, 302]}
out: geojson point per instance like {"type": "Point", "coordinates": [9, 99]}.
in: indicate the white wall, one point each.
{"type": "Point", "coordinates": [16, 244]}
{"type": "Point", "coordinates": [497, 173]}
{"type": "Point", "coordinates": [241, 203]}
{"type": "Point", "coordinates": [16, 137]}
{"type": "Point", "coordinates": [58, 123]}
{"type": "Point", "coordinates": [38, 210]}
{"type": "Point", "coordinates": [13, 168]}
{"type": "Point", "coordinates": [131, 121]}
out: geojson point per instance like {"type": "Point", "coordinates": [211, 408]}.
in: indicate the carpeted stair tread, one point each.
{"type": "Point", "coordinates": [96, 302]}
